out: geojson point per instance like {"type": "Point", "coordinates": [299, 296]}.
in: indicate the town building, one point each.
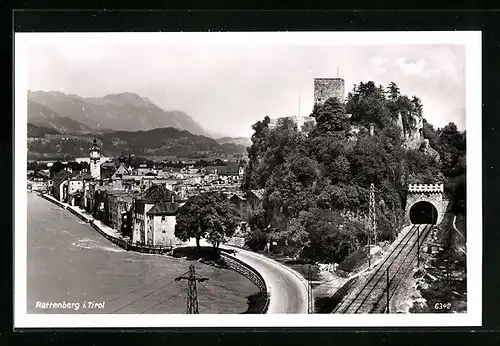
{"type": "Point", "coordinates": [300, 121]}
{"type": "Point", "coordinates": [75, 188]}
{"type": "Point", "coordinates": [154, 217]}
{"type": "Point", "coordinates": [39, 181]}
{"type": "Point", "coordinates": [59, 184]}
{"type": "Point", "coordinates": [95, 161]}
{"type": "Point", "coordinates": [120, 172]}
{"type": "Point", "coordinates": [118, 210]}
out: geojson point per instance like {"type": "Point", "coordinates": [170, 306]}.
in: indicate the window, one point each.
{"type": "Point", "coordinates": [163, 219]}
{"type": "Point", "coordinates": [163, 231]}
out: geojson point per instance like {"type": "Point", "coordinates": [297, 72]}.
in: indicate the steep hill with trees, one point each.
{"type": "Point", "coordinates": [316, 182]}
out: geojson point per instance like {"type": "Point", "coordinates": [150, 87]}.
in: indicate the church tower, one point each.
{"type": "Point", "coordinates": [95, 161]}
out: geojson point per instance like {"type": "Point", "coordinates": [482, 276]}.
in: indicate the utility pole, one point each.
{"type": "Point", "coordinates": [372, 224]}
{"type": "Point", "coordinates": [418, 246]}
{"type": "Point", "coordinates": [387, 278]}
{"type": "Point", "coordinates": [192, 300]}
{"type": "Point", "coordinates": [310, 296]}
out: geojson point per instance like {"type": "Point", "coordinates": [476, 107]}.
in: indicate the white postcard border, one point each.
{"type": "Point", "coordinates": [473, 317]}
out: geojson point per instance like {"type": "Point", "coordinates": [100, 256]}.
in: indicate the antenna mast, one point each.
{"type": "Point", "coordinates": [299, 104]}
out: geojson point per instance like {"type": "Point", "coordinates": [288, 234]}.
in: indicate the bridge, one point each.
{"type": "Point", "coordinates": [425, 204]}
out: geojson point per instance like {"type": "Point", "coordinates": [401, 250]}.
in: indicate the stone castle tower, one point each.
{"type": "Point", "coordinates": [324, 88]}
{"type": "Point", "coordinates": [95, 161]}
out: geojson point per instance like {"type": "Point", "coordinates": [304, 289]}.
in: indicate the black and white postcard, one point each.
{"type": "Point", "coordinates": [265, 179]}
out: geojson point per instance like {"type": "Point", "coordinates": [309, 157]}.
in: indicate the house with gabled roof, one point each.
{"type": "Point", "coordinates": [154, 217]}
{"type": "Point", "coordinates": [75, 187]}
{"type": "Point", "coordinates": [120, 172]}
{"type": "Point", "coordinates": [59, 184]}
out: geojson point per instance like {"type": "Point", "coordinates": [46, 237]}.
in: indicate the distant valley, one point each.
{"type": "Point", "coordinates": [45, 143]}
{"type": "Point", "coordinates": [61, 124]}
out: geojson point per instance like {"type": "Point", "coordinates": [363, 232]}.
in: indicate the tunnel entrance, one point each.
{"type": "Point", "coordinates": [423, 213]}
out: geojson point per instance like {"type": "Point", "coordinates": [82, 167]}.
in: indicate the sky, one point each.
{"type": "Point", "coordinates": [227, 88]}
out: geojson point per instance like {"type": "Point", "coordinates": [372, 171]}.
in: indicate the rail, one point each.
{"type": "Point", "coordinates": [397, 257]}
{"type": "Point", "coordinates": [250, 273]}
{"type": "Point", "coordinates": [400, 273]}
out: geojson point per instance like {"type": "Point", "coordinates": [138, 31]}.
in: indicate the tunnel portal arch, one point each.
{"type": "Point", "coordinates": [423, 200]}
{"type": "Point", "coordinates": [423, 212]}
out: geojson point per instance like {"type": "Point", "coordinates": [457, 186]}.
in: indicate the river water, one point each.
{"type": "Point", "coordinates": [70, 264]}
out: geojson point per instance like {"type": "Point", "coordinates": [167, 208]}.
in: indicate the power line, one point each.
{"type": "Point", "coordinates": [163, 301]}
{"type": "Point", "coordinates": [135, 290]}
{"type": "Point", "coordinates": [130, 292]}
{"type": "Point", "coordinates": [144, 296]}
{"type": "Point", "coordinates": [192, 278]}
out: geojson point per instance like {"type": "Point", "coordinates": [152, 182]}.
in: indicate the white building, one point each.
{"type": "Point", "coordinates": [95, 161]}
{"type": "Point", "coordinates": [299, 120]}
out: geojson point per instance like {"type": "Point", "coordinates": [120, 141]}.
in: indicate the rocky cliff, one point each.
{"type": "Point", "coordinates": [414, 138]}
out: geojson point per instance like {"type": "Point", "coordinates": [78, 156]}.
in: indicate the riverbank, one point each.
{"type": "Point", "coordinates": [107, 232]}
{"type": "Point", "coordinates": [69, 261]}
{"type": "Point", "coordinates": [257, 302]}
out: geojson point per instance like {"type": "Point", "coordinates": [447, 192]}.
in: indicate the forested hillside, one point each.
{"type": "Point", "coordinates": [317, 181]}
{"type": "Point", "coordinates": [158, 142]}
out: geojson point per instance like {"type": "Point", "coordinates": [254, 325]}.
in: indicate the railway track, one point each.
{"type": "Point", "coordinates": [371, 296]}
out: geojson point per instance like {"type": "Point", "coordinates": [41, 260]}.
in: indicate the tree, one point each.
{"type": "Point", "coordinates": [296, 237]}
{"type": "Point", "coordinates": [368, 105]}
{"type": "Point", "coordinates": [56, 168]}
{"type": "Point", "coordinates": [316, 183]}
{"type": "Point", "coordinates": [208, 215]}
{"type": "Point", "coordinates": [330, 117]}
{"type": "Point", "coordinates": [394, 92]}
{"type": "Point", "coordinates": [260, 140]}
{"type": "Point", "coordinates": [332, 238]}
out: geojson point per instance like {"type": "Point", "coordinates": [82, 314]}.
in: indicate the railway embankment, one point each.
{"type": "Point", "coordinates": [374, 289]}
{"type": "Point", "coordinates": [440, 286]}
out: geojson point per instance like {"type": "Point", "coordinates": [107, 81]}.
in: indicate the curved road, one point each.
{"type": "Point", "coordinates": [287, 288]}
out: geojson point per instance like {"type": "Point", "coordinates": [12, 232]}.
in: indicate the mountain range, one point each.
{"type": "Point", "coordinates": [127, 111]}
{"type": "Point", "coordinates": [61, 124]}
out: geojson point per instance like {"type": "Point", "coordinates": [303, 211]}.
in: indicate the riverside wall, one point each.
{"type": "Point", "coordinates": [234, 264]}
{"type": "Point", "coordinates": [250, 273]}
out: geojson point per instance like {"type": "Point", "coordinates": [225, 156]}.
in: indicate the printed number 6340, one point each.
{"type": "Point", "coordinates": [442, 306]}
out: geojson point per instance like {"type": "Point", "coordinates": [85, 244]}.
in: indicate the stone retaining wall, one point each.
{"type": "Point", "coordinates": [248, 272]}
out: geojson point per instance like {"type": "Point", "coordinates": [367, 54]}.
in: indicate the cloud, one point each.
{"type": "Point", "coordinates": [380, 64]}
{"type": "Point", "coordinates": [229, 88]}
{"type": "Point", "coordinates": [412, 68]}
